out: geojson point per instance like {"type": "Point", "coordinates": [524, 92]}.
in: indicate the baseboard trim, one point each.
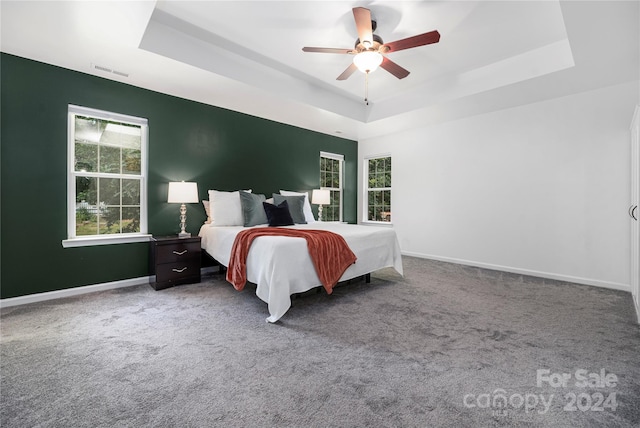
{"type": "Point", "coordinates": [68, 292]}
{"type": "Point", "coordinates": [75, 291]}
{"type": "Point", "coordinates": [541, 274]}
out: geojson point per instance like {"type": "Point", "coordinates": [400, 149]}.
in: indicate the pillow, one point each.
{"type": "Point", "coordinates": [205, 203]}
{"type": "Point", "coordinates": [308, 214]}
{"type": "Point", "coordinates": [296, 204]}
{"type": "Point", "coordinates": [225, 208]}
{"type": "Point", "coordinates": [278, 215]}
{"type": "Point", "coordinates": [252, 209]}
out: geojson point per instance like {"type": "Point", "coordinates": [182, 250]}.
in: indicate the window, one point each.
{"type": "Point", "coordinates": [331, 178]}
{"type": "Point", "coordinates": [378, 188]}
{"type": "Point", "coordinates": [107, 177]}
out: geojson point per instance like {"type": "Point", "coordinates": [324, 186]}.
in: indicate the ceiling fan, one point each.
{"type": "Point", "coordinates": [369, 49]}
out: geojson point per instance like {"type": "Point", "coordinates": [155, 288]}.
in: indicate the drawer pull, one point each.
{"type": "Point", "coordinates": [179, 253]}
{"type": "Point", "coordinates": [179, 270]}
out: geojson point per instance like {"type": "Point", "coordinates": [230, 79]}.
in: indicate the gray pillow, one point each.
{"type": "Point", "coordinates": [252, 209]}
{"type": "Point", "coordinates": [296, 205]}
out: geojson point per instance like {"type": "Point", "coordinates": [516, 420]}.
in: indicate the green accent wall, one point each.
{"type": "Point", "coordinates": [217, 148]}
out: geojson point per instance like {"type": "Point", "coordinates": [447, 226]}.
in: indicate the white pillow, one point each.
{"type": "Point", "coordinates": [205, 203]}
{"type": "Point", "coordinates": [306, 209]}
{"type": "Point", "coordinates": [225, 208]}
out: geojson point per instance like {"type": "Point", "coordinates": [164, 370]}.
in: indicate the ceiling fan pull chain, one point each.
{"type": "Point", "coordinates": [366, 88]}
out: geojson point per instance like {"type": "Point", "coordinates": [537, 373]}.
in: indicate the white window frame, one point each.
{"type": "Point", "coordinates": [340, 191]}
{"type": "Point", "coordinates": [119, 238]}
{"type": "Point", "coordinates": [366, 189]}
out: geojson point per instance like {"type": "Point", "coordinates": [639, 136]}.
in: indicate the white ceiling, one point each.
{"type": "Point", "coordinates": [247, 55]}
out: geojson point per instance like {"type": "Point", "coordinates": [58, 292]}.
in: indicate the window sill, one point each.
{"type": "Point", "coordinates": [104, 240]}
{"type": "Point", "coordinates": [376, 223]}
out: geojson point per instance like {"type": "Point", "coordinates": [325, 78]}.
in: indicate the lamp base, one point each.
{"type": "Point", "coordinates": [183, 222]}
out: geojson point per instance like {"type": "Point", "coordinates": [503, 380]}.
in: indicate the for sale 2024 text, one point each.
{"type": "Point", "coordinates": [583, 379]}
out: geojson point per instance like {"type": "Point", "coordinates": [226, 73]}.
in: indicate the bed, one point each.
{"type": "Point", "coordinates": [281, 266]}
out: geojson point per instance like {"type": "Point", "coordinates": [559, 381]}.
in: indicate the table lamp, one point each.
{"type": "Point", "coordinates": [181, 192]}
{"type": "Point", "coordinates": [320, 197]}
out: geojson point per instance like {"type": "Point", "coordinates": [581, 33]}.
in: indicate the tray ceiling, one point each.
{"type": "Point", "coordinates": [247, 55]}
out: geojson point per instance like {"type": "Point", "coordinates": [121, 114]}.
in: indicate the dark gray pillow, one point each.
{"type": "Point", "coordinates": [296, 205]}
{"type": "Point", "coordinates": [252, 209]}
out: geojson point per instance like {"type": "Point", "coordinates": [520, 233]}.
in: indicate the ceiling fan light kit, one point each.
{"type": "Point", "coordinates": [368, 61]}
{"type": "Point", "coordinates": [370, 50]}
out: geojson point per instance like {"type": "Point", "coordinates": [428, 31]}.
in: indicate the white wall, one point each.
{"type": "Point", "coordinates": [541, 189]}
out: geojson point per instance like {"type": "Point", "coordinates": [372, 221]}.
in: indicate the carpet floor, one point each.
{"type": "Point", "coordinates": [445, 345]}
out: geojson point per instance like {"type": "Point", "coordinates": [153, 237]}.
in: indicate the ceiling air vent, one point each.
{"type": "Point", "coordinates": [109, 70]}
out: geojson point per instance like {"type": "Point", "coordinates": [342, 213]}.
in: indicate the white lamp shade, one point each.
{"type": "Point", "coordinates": [182, 192]}
{"type": "Point", "coordinates": [367, 61]}
{"type": "Point", "coordinates": [321, 197]}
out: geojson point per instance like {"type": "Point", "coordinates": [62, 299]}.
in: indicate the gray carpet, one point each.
{"type": "Point", "coordinates": [446, 345]}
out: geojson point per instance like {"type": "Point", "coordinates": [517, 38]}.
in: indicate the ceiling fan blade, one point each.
{"type": "Point", "coordinates": [328, 50]}
{"type": "Point", "coordinates": [412, 42]}
{"type": "Point", "coordinates": [363, 25]}
{"type": "Point", "coordinates": [394, 68]}
{"type": "Point", "coordinates": [348, 72]}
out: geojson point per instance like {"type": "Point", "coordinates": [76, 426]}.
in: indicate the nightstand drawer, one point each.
{"type": "Point", "coordinates": [177, 252]}
{"type": "Point", "coordinates": [173, 272]}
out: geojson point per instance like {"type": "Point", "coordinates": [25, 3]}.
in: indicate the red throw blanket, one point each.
{"type": "Point", "coordinates": [329, 252]}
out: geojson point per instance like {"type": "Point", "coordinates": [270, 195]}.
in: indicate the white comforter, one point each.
{"type": "Point", "coordinates": [280, 266]}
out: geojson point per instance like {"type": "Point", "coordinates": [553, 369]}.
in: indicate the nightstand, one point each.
{"type": "Point", "coordinates": [174, 261]}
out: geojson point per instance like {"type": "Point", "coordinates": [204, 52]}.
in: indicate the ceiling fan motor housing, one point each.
{"type": "Point", "coordinates": [377, 44]}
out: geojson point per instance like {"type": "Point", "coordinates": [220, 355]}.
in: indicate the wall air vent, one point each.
{"type": "Point", "coordinates": [109, 70]}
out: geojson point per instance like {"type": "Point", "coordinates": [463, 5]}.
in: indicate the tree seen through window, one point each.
{"type": "Point", "coordinates": [379, 189]}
